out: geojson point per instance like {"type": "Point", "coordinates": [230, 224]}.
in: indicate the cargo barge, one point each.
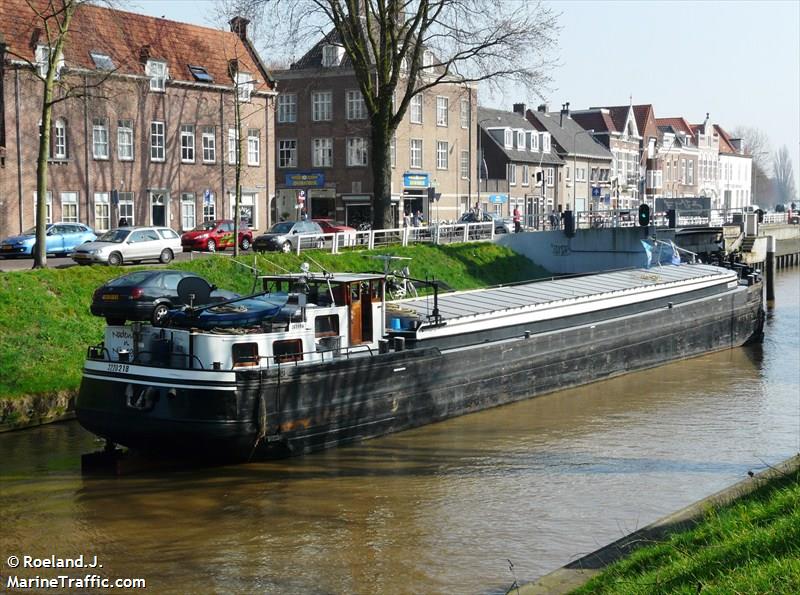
{"type": "Point", "coordinates": [329, 360]}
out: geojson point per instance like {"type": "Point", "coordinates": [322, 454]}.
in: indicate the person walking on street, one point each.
{"type": "Point", "coordinates": [517, 219]}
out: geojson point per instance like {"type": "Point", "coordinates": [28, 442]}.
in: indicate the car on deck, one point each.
{"type": "Point", "coordinates": [60, 238]}
{"type": "Point", "coordinates": [216, 235]}
{"type": "Point", "coordinates": [144, 295]}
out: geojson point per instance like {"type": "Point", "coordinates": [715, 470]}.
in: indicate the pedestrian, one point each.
{"type": "Point", "coordinates": [407, 218]}
{"type": "Point", "coordinates": [417, 218]}
{"type": "Point", "coordinates": [517, 219]}
{"type": "Point", "coordinates": [123, 222]}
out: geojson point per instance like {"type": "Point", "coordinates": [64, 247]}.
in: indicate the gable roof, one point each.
{"type": "Point", "coordinates": [123, 35]}
{"type": "Point", "coordinates": [495, 118]}
{"type": "Point", "coordinates": [595, 119]}
{"type": "Point", "coordinates": [571, 138]}
{"type": "Point", "coordinates": [725, 144]}
{"type": "Point", "coordinates": [678, 124]}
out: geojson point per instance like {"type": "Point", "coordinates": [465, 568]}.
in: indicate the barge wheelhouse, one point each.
{"type": "Point", "coordinates": [324, 359]}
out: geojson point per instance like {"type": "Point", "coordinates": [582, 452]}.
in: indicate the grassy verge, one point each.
{"type": "Point", "coordinates": [45, 324]}
{"type": "Point", "coordinates": [750, 546]}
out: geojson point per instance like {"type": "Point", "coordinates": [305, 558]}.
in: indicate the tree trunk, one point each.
{"type": "Point", "coordinates": [381, 172]}
{"type": "Point", "coordinates": [40, 247]}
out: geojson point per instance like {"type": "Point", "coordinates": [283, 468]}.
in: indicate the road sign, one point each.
{"type": "Point", "coordinates": [596, 191]}
{"type": "Point", "coordinates": [207, 196]}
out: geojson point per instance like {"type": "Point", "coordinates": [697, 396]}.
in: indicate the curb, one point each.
{"type": "Point", "coordinates": [578, 573]}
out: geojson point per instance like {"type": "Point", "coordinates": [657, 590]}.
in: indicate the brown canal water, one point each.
{"type": "Point", "coordinates": [432, 510]}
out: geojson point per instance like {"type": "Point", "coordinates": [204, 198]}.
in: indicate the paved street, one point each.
{"type": "Point", "coordinates": [54, 262]}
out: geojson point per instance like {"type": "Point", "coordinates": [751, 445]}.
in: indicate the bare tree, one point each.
{"type": "Point", "coordinates": [756, 144]}
{"type": "Point", "coordinates": [784, 177]}
{"type": "Point", "coordinates": [399, 48]}
{"type": "Point", "coordinates": [54, 18]}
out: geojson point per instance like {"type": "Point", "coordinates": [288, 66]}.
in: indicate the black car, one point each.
{"type": "Point", "coordinates": [143, 295]}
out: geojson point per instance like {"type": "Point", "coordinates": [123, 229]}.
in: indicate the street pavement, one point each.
{"type": "Point", "coordinates": [61, 262]}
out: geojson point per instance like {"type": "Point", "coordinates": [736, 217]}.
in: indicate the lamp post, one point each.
{"type": "Point", "coordinates": [480, 155]}
{"type": "Point", "coordinates": [575, 161]}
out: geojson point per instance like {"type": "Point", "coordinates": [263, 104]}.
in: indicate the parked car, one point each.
{"type": "Point", "coordinates": [500, 224]}
{"type": "Point", "coordinates": [329, 226]}
{"type": "Point", "coordinates": [215, 235]}
{"type": "Point", "coordinates": [285, 236]}
{"type": "Point", "coordinates": [143, 295]}
{"type": "Point", "coordinates": [130, 244]}
{"type": "Point", "coordinates": [61, 238]}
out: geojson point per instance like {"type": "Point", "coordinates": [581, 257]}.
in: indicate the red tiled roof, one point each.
{"type": "Point", "coordinates": [642, 113]}
{"type": "Point", "coordinates": [679, 124]}
{"type": "Point", "coordinates": [725, 144]}
{"type": "Point", "coordinates": [122, 35]}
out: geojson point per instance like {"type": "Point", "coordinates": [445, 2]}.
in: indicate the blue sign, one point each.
{"type": "Point", "coordinates": [207, 196]}
{"type": "Point", "coordinates": [305, 179]}
{"type": "Point", "coordinates": [607, 198]}
{"type": "Point", "coordinates": [416, 180]}
{"type": "Point", "coordinates": [596, 191]}
{"type": "Point", "coordinates": [498, 199]}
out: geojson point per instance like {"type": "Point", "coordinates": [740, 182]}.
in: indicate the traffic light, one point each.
{"type": "Point", "coordinates": [644, 215]}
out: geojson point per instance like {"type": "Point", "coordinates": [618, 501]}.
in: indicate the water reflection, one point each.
{"type": "Point", "coordinates": [437, 509]}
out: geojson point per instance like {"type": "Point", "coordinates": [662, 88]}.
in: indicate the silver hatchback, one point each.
{"type": "Point", "coordinates": [130, 244]}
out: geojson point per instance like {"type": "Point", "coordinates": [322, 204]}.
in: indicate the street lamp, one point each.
{"type": "Point", "coordinates": [480, 155]}
{"type": "Point", "coordinates": [575, 161]}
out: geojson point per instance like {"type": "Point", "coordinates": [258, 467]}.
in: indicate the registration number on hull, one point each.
{"type": "Point", "coordinates": [118, 368]}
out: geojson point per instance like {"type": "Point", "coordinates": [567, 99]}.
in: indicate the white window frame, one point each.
{"type": "Point", "coordinates": [393, 151]}
{"type": "Point", "coordinates": [546, 142]}
{"type": "Point", "coordinates": [287, 108]}
{"type": "Point", "coordinates": [321, 106]}
{"type": "Point", "coordinates": [287, 152]}
{"type": "Point", "coordinates": [253, 147]}
{"type": "Point", "coordinates": [415, 147]}
{"type": "Point", "coordinates": [210, 209]}
{"type": "Point", "coordinates": [534, 141]}
{"type": "Point", "coordinates": [233, 141]}
{"type": "Point", "coordinates": [550, 176]}
{"type": "Point", "coordinates": [158, 72]}
{"type": "Point", "coordinates": [42, 61]}
{"type": "Point", "coordinates": [331, 55]}
{"type": "Point", "coordinates": [187, 143]}
{"type": "Point", "coordinates": [248, 203]}
{"type": "Point", "coordinates": [60, 139]}
{"type": "Point", "coordinates": [125, 207]}
{"type": "Point", "coordinates": [188, 211]}
{"type": "Point", "coordinates": [464, 113]}
{"type": "Point", "coordinates": [100, 138]}
{"type": "Point", "coordinates": [356, 108]}
{"type": "Point", "coordinates": [511, 174]}
{"type": "Point", "coordinates": [508, 138]}
{"type": "Point", "coordinates": [102, 211]}
{"type": "Point", "coordinates": [526, 176]}
{"type": "Point", "coordinates": [464, 165]}
{"type": "Point", "coordinates": [70, 199]}
{"type": "Point", "coordinates": [244, 86]}
{"type": "Point", "coordinates": [521, 140]}
{"type": "Point", "coordinates": [125, 140]}
{"type": "Point", "coordinates": [322, 152]}
{"type": "Point", "coordinates": [442, 154]}
{"type": "Point", "coordinates": [442, 110]}
{"type": "Point", "coordinates": [357, 152]}
{"type": "Point", "coordinates": [209, 140]}
{"type": "Point", "coordinates": [48, 218]}
{"type": "Point", "coordinates": [415, 111]}
{"type": "Point", "coordinates": [157, 141]}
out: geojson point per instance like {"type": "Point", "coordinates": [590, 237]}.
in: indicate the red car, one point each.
{"type": "Point", "coordinates": [215, 235]}
{"type": "Point", "coordinates": [330, 226]}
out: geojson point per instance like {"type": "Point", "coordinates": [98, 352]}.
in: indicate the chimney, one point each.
{"type": "Point", "coordinates": [542, 108]}
{"type": "Point", "coordinates": [519, 108]}
{"type": "Point", "coordinates": [564, 112]}
{"type": "Point", "coordinates": [239, 26]}
{"type": "Point", "coordinates": [144, 54]}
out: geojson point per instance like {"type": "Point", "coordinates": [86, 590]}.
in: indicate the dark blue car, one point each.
{"type": "Point", "coordinates": [62, 238]}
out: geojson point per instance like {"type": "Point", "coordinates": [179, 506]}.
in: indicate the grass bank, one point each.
{"type": "Point", "coordinates": [45, 323]}
{"type": "Point", "coordinates": [749, 546]}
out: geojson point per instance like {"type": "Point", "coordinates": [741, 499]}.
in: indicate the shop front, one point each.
{"type": "Point", "coordinates": [305, 192]}
{"type": "Point", "coordinates": [415, 194]}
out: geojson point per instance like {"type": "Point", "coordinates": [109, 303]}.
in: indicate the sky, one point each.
{"type": "Point", "coordinates": [738, 61]}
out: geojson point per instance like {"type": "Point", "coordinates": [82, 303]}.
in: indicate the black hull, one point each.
{"type": "Point", "coordinates": [294, 410]}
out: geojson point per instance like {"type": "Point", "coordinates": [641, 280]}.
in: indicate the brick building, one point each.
{"type": "Point", "coordinates": [323, 144]}
{"type": "Point", "coordinates": [518, 161]}
{"type": "Point", "coordinates": [148, 132]}
{"type": "Point", "coordinates": [678, 156]}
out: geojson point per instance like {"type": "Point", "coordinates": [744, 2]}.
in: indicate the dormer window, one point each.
{"type": "Point", "coordinates": [157, 71]}
{"type": "Point", "coordinates": [102, 61]}
{"type": "Point", "coordinates": [201, 74]}
{"type": "Point", "coordinates": [509, 139]}
{"type": "Point", "coordinates": [427, 59]}
{"type": "Point", "coordinates": [332, 55]}
{"type": "Point", "coordinates": [546, 142]}
{"type": "Point", "coordinates": [534, 141]}
{"type": "Point", "coordinates": [244, 86]}
{"type": "Point", "coordinates": [43, 55]}
{"type": "Point", "coordinates": [520, 139]}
